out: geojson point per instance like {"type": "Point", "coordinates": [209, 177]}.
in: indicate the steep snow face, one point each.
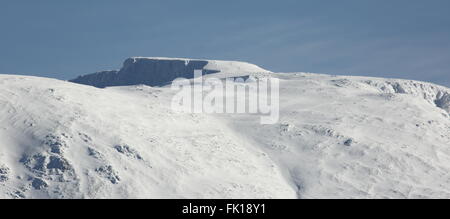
{"type": "Point", "coordinates": [161, 71]}
{"type": "Point", "coordinates": [338, 137]}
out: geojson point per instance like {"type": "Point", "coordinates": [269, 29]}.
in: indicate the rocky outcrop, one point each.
{"type": "Point", "coordinates": [152, 72]}
{"type": "Point", "coordinates": [160, 71]}
{"type": "Point", "coordinates": [434, 94]}
{"type": "Point", "coordinates": [443, 100]}
{"type": "Point", "coordinates": [100, 79]}
{"type": "Point", "coordinates": [4, 173]}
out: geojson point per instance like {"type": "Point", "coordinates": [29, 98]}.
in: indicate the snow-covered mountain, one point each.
{"type": "Point", "coordinates": [338, 137]}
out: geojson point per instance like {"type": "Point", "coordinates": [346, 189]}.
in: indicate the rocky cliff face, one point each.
{"type": "Point", "coordinates": [160, 71]}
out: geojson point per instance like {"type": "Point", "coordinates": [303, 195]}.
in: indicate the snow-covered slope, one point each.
{"type": "Point", "coordinates": [63, 140]}
{"type": "Point", "coordinates": [338, 137]}
{"type": "Point", "coordinates": [157, 71]}
{"type": "Point", "coordinates": [352, 137]}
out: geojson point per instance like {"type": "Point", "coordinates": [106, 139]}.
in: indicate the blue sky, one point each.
{"type": "Point", "coordinates": [384, 38]}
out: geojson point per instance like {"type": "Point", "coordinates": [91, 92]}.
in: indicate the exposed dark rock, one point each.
{"type": "Point", "coordinates": [94, 153]}
{"type": "Point", "coordinates": [58, 164]}
{"type": "Point", "coordinates": [4, 173]}
{"type": "Point", "coordinates": [38, 184]}
{"type": "Point", "coordinates": [35, 163]}
{"type": "Point", "coordinates": [398, 88]}
{"type": "Point", "coordinates": [348, 142]}
{"type": "Point", "coordinates": [152, 72]}
{"type": "Point", "coordinates": [108, 173]}
{"type": "Point", "coordinates": [85, 137]}
{"type": "Point", "coordinates": [443, 101]}
{"type": "Point", "coordinates": [126, 150]}
{"type": "Point", "coordinates": [17, 195]}
{"type": "Point", "coordinates": [48, 165]}
{"type": "Point", "coordinates": [56, 143]}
